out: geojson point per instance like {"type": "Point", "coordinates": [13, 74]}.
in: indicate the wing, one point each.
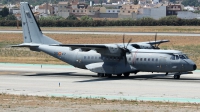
{"type": "Point", "coordinates": [148, 45]}
{"type": "Point", "coordinates": [156, 42]}
{"type": "Point", "coordinates": [105, 49]}
{"type": "Point", "coordinates": [112, 49]}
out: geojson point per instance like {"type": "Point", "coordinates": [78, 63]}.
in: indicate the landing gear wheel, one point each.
{"type": "Point", "coordinates": [166, 74]}
{"type": "Point", "coordinates": [176, 76]}
{"type": "Point", "coordinates": [100, 75]}
{"type": "Point", "coordinates": [126, 74]}
{"type": "Point", "coordinates": [119, 75]}
{"type": "Point", "coordinates": [108, 75]}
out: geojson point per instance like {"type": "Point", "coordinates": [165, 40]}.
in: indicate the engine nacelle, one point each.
{"type": "Point", "coordinates": [113, 48]}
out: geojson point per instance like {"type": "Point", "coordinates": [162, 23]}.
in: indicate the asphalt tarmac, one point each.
{"type": "Point", "coordinates": [65, 80]}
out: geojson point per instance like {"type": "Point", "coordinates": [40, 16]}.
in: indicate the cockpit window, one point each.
{"type": "Point", "coordinates": [185, 56]}
{"type": "Point", "coordinates": [177, 57]}
{"type": "Point", "coordinates": [181, 57]}
{"type": "Point", "coordinates": [172, 57]}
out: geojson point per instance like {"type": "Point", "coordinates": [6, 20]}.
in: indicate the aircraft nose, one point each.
{"type": "Point", "coordinates": [194, 67]}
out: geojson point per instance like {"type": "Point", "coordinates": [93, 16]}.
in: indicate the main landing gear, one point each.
{"type": "Point", "coordinates": [100, 74]}
{"type": "Point", "coordinates": [110, 75]}
{"type": "Point", "coordinates": [104, 75]}
{"type": "Point", "coordinates": [126, 74]}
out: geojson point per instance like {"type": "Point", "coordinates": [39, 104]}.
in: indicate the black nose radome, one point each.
{"type": "Point", "coordinates": [194, 67]}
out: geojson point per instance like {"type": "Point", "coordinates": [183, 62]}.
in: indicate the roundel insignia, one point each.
{"type": "Point", "coordinates": [59, 53]}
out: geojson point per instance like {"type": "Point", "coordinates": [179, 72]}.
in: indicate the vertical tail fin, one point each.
{"type": "Point", "coordinates": [31, 31]}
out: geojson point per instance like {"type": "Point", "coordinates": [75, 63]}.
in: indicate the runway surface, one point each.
{"type": "Point", "coordinates": [110, 33]}
{"type": "Point", "coordinates": [44, 80]}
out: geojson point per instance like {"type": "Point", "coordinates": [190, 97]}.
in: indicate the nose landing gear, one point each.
{"type": "Point", "coordinates": [177, 75]}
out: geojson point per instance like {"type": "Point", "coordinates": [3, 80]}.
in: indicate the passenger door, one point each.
{"type": "Point", "coordinates": [163, 64]}
{"type": "Point", "coordinates": [175, 63]}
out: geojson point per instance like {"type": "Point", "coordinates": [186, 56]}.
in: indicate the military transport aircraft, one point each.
{"type": "Point", "coordinates": [105, 59]}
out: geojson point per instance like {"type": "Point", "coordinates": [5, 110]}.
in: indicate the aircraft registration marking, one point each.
{"type": "Point", "coordinates": [59, 53]}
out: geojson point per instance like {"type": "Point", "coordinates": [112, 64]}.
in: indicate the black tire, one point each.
{"type": "Point", "coordinates": [119, 75]}
{"type": "Point", "coordinates": [126, 74]}
{"type": "Point", "coordinates": [100, 75]}
{"type": "Point", "coordinates": [108, 75]}
{"type": "Point", "coordinates": [176, 76]}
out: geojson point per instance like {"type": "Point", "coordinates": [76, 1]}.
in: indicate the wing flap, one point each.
{"type": "Point", "coordinates": [157, 42]}
{"type": "Point", "coordinates": [87, 46]}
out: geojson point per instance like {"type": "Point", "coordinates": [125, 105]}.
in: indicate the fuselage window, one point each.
{"type": "Point", "coordinates": [156, 59]}
{"type": "Point", "coordinates": [152, 59]}
{"type": "Point", "coordinates": [148, 59]}
{"type": "Point", "coordinates": [92, 57]}
{"type": "Point", "coordinates": [95, 57]}
{"type": "Point", "coordinates": [88, 57]}
{"type": "Point", "coordinates": [137, 59]}
{"type": "Point", "coordinates": [144, 59]}
{"type": "Point", "coordinates": [140, 59]}
{"type": "Point", "coordinates": [84, 57]}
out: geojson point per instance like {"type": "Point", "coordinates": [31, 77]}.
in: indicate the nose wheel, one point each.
{"type": "Point", "coordinates": [177, 75]}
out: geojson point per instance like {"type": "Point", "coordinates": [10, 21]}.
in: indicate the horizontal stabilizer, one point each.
{"type": "Point", "coordinates": [26, 45]}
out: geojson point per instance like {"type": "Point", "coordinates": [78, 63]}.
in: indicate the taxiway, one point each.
{"type": "Point", "coordinates": [65, 80]}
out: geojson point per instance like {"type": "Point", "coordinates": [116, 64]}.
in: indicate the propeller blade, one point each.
{"type": "Point", "coordinates": [128, 42]}
{"type": "Point", "coordinates": [125, 50]}
{"type": "Point", "coordinates": [157, 46]}
{"type": "Point", "coordinates": [123, 40]}
{"type": "Point", "coordinates": [155, 39]}
{"type": "Point", "coordinates": [125, 59]}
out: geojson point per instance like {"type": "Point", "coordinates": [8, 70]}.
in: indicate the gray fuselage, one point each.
{"type": "Point", "coordinates": [141, 60]}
